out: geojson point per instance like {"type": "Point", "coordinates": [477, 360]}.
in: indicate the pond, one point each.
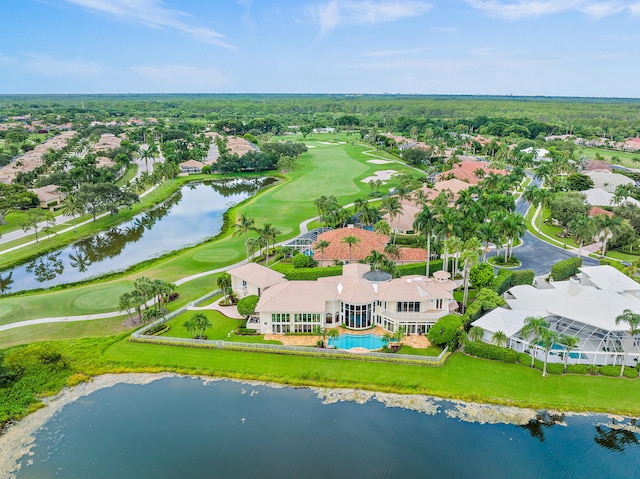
{"type": "Point", "coordinates": [189, 427]}
{"type": "Point", "coordinates": [190, 216]}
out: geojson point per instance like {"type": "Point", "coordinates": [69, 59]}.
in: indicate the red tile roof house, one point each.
{"type": "Point", "coordinates": [191, 167]}
{"type": "Point", "coordinates": [50, 196]}
{"type": "Point", "coordinates": [339, 251]}
{"type": "Point", "coordinates": [466, 171]}
{"type": "Point", "coordinates": [356, 299]}
{"type": "Point", "coordinates": [632, 144]}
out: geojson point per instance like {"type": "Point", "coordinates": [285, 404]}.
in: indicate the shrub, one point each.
{"type": "Point", "coordinates": [173, 296]}
{"type": "Point", "coordinates": [242, 331]}
{"type": "Point", "coordinates": [481, 275]}
{"type": "Point", "coordinates": [419, 268]}
{"type": "Point", "coordinates": [630, 373]}
{"type": "Point", "coordinates": [446, 331]}
{"type": "Point", "coordinates": [247, 305]}
{"type": "Point", "coordinates": [507, 279]}
{"type": "Point", "coordinates": [301, 261]}
{"type": "Point", "coordinates": [593, 370]}
{"type": "Point", "coordinates": [565, 269]}
{"type": "Point", "coordinates": [489, 351]}
{"type": "Point", "coordinates": [577, 368]}
{"type": "Point", "coordinates": [555, 368]}
{"type": "Point", "coordinates": [310, 274]}
{"type": "Point", "coordinates": [610, 371]}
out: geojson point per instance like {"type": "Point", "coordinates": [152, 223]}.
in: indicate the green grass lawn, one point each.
{"type": "Point", "coordinates": [430, 351]}
{"type": "Point", "coordinates": [462, 377]}
{"type": "Point", "coordinates": [630, 160]}
{"type": "Point", "coordinates": [222, 328]}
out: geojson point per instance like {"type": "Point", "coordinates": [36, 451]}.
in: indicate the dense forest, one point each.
{"type": "Point", "coordinates": [527, 117]}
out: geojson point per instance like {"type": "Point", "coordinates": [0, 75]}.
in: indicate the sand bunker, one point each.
{"type": "Point", "coordinates": [310, 146]}
{"type": "Point", "coordinates": [326, 143]}
{"type": "Point", "coordinates": [381, 175]}
{"type": "Point", "coordinates": [379, 162]}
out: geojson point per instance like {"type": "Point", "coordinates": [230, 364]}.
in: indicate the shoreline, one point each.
{"type": "Point", "coordinates": [17, 439]}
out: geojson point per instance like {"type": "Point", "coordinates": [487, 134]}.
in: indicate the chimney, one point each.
{"type": "Point", "coordinates": [574, 286]}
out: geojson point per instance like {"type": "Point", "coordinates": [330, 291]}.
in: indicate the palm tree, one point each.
{"type": "Point", "coordinates": [607, 228]}
{"type": "Point", "coordinates": [582, 229]}
{"type": "Point", "coordinates": [381, 228]}
{"type": "Point", "coordinates": [448, 225]}
{"type": "Point", "coordinates": [424, 223]}
{"type": "Point", "coordinates": [198, 322]}
{"type": "Point", "coordinates": [333, 333]}
{"type": "Point", "coordinates": [489, 234]}
{"type": "Point", "coordinates": [351, 241]}
{"type": "Point", "coordinates": [144, 288]}
{"type": "Point", "coordinates": [533, 326]}
{"type": "Point", "coordinates": [500, 339]}
{"type": "Point", "coordinates": [476, 333]}
{"type": "Point", "coordinates": [73, 206]}
{"type": "Point", "coordinates": [513, 227]}
{"type": "Point", "coordinates": [392, 250]}
{"type": "Point", "coordinates": [633, 320]}
{"type": "Point", "coordinates": [569, 343]}
{"type": "Point", "coordinates": [391, 205]}
{"type": "Point", "coordinates": [399, 335]}
{"type": "Point", "coordinates": [268, 233]}
{"type": "Point", "coordinates": [242, 227]}
{"type": "Point", "coordinates": [376, 259]}
{"type": "Point", "coordinates": [470, 257]}
{"type": "Point", "coordinates": [126, 303]}
{"type": "Point", "coordinates": [224, 283]}
{"type": "Point", "coordinates": [547, 340]}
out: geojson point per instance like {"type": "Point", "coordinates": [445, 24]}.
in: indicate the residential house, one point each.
{"type": "Point", "coordinates": [252, 279]}
{"type": "Point", "coordinates": [191, 167]}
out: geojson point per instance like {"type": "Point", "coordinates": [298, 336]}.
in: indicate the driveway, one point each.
{"type": "Point", "coordinates": [540, 256]}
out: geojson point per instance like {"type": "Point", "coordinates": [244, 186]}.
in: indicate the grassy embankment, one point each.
{"type": "Point", "coordinates": [320, 171]}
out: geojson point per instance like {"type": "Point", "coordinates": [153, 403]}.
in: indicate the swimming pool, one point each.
{"type": "Point", "coordinates": [559, 348]}
{"type": "Point", "coordinates": [348, 341]}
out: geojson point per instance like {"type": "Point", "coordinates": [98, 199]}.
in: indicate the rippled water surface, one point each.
{"type": "Point", "coordinates": [184, 427]}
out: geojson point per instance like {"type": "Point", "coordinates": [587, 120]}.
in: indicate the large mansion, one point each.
{"type": "Point", "coordinates": [358, 299]}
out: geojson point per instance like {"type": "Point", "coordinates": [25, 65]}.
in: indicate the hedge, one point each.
{"type": "Point", "coordinates": [507, 279]}
{"type": "Point", "coordinates": [565, 269]}
{"type": "Point", "coordinates": [490, 351]}
{"type": "Point", "coordinates": [420, 268]}
{"type": "Point", "coordinates": [310, 274]}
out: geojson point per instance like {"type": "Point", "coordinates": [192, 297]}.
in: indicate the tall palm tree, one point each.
{"type": "Point", "coordinates": [243, 227]}
{"type": "Point", "coordinates": [607, 228]}
{"type": "Point", "coordinates": [633, 320]}
{"type": "Point", "coordinates": [448, 226]}
{"type": "Point", "coordinates": [513, 227]}
{"type": "Point", "coordinates": [424, 223]}
{"type": "Point", "coordinates": [351, 241]}
{"type": "Point", "coordinates": [73, 206]}
{"type": "Point", "coordinates": [500, 339]}
{"type": "Point", "coordinates": [126, 303]}
{"type": "Point", "coordinates": [533, 326]}
{"type": "Point", "coordinates": [569, 343]}
{"type": "Point", "coordinates": [489, 234]}
{"type": "Point", "coordinates": [547, 340]}
{"type": "Point", "coordinates": [322, 245]}
{"type": "Point", "coordinates": [376, 259]}
{"type": "Point", "coordinates": [223, 281]}
{"type": "Point", "coordinates": [469, 257]}
{"type": "Point", "coordinates": [269, 234]}
{"type": "Point", "coordinates": [583, 228]}
{"type": "Point", "coordinates": [144, 288]}
{"type": "Point", "coordinates": [381, 228]}
{"type": "Point", "coordinates": [391, 205]}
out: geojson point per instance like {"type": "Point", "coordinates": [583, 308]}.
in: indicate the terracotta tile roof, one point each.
{"type": "Point", "coordinates": [465, 171]}
{"type": "Point", "coordinates": [337, 250]}
{"type": "Point", "coordinates": [412, 255]}
{"type": "Point", "coordinates": [597, 211]}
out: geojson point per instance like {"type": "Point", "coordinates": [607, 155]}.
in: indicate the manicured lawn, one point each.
{"type": "Point", "coordinates": [430, 351]}
{"type": "Point", "coordinates": [461, 377]}
{"type": "Point", "coordinates": [222, 328]}
{"type": "Point", "coordinates": [630, 160]}
{"type": "Point", "coordinates": [56, 331]}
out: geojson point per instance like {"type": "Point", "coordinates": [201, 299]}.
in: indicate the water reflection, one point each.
{"type": "Point", "coordinates": [617, 435]}
{"type": "Point", "coordinates": [543, 420]}
{"type": "Point", "coordinates": [186, 218]}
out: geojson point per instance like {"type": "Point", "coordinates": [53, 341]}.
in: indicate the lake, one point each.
{"type": "Point", "coordinates": [190, 216]}
{"type": "Point", "coordinates": [190, 427]}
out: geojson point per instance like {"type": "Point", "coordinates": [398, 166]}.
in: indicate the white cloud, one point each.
{"type": "Point", "coordinates": [364, 12]}
{"type": "Point", "coordinates": [390, 53]}
{"type": "Point", "coordinates": [635, 8]}
{"type": "Point", "coordinates": [518, 9]}
{"type": "Point", "coordinates": [180, 78]}
{"type": "Point", "coordinates": [153, 13]}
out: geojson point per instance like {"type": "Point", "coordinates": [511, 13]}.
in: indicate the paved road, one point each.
{"type": "Point", "coordinates": [539, 256]}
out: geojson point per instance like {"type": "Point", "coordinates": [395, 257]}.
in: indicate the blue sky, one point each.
{"type": "Point", "coordinates": [541, 47]}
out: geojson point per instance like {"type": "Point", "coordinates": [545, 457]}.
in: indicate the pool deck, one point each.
{"type": "Point", "coordinates": [415, 341]}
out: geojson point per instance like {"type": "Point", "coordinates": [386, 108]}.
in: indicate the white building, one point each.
{"type": "Point", "coordinates": [359, 299]}
{"type": "Point", "coordinates": [584, 307]}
